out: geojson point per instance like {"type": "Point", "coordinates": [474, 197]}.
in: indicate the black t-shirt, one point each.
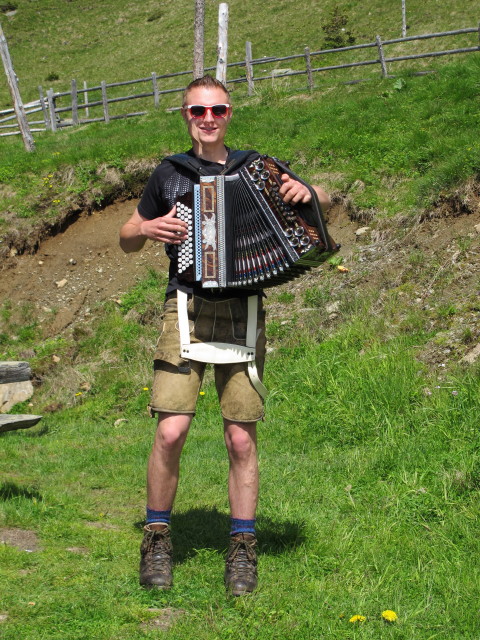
{"type": "Point", "coordinates": [165, 185]}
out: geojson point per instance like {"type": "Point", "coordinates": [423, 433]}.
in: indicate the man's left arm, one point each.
{"type": "Point", "coordinates": [294, 192]}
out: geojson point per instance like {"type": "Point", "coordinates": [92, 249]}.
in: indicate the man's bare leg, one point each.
{"type": "Point", "coordinates": [241, 561]}
{"type": "Point", "coordinates": [162, 481]}
{"type": "Point", "coordinates": [164, 461]}
{"type": "Point", "coordinates": [241, 441]}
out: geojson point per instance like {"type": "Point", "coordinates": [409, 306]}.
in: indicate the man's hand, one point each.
{"type": "Point", "coordinates": [167, 229]}
{"type": "Point", "coordinates": [293, 191]}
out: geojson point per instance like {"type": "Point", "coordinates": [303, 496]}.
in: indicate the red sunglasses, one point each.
{"type": "Point", "coordinates": [200, 110]}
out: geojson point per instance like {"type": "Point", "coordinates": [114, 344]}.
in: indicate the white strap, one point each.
{"type": "Point", "coordinates": [217, 352]}
{"type": "Point", "coordinates": [220, 352]}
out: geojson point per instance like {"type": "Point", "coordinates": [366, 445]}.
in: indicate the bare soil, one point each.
{"type": "Point", "coordinates": [437, 256]}
{"type": "Point", "coordinates": [20, 538]}
{"type": "Point", "coordinates": [77, 268]}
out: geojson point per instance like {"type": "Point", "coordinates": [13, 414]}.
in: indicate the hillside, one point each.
{"type": "Point", "coordinates": [53, 41]}
{"type": "Point", "coordinates": [370, 451]}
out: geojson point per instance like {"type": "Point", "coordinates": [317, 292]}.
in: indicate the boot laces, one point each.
{"type": "Point", "coordinates": [157, 544]}
{"type": "Point", "coordinates": [242, 557]}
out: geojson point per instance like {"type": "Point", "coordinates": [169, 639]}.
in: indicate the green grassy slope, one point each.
{"type": "Point", "coordinates": [407, 139]}
{"type": "Point", "coordinates": [118, 40]}
{"type": "Point", "coordinates": [370, 476]}
{"type": "Point", "coordinates": [370, 467]}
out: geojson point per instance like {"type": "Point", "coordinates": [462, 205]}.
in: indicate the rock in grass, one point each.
{"type": "Point", "coordinates": [12, 422]}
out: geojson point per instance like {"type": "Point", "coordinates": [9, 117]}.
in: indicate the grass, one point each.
{"type": "Point", "coordinates": [70, 40]}
{"type": "Point", "coordinates": [408, 147]}
{"type": "Point", "coordinates": [370, 478]}
{"type": "Point", "coordinates": [370, 469]}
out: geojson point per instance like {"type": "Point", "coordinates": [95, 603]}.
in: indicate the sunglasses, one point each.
{"type": "Point", "coordinates": [200, 110]}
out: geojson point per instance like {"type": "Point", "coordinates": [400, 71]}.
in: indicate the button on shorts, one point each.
{"type": "Point", "coordinates": [177, 381]}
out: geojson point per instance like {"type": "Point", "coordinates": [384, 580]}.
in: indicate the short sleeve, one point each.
{"type": "Point", "coordinates": [152, 204]}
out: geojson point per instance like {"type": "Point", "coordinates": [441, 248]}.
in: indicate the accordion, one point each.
{"type": "Point", "coordinates": [242, 234]}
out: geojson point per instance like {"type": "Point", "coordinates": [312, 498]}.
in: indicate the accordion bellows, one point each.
{"type": "Point", "coordinates": [242, 234]}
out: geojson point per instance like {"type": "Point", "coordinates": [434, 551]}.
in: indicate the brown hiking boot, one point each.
{"type": "Point", "coordinates": [156, 557]}
{"type": "Point", "coordinates": [241, 564]}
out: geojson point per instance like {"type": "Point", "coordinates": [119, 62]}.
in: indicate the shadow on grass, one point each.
{"type": "Point", "coordinates": [207, 528]}
{"type": "Point", "coordinates": [10, 490]}
{"type": "Point", "coordinates": [34, 433]}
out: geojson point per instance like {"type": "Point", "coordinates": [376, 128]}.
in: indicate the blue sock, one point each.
{"type": "Point", "coordinates": [158, 516]}
{"type": "Point", "coordinates": [241, 526]}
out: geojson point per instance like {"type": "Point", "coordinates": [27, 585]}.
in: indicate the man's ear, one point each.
{"type": "Point", "coordinates": [183, 111]}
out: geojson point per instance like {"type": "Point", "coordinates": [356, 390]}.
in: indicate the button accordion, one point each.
{"type": "Point", "coordinates": [242, 234]}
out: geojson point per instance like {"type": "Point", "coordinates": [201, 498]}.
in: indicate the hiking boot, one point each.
{"type": "Point", "coordinates": [156, 557]}
{"type": "Point", "coordinates": [241, 564]}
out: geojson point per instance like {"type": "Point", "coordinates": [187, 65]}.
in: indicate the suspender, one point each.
{"type": "Point", "coordinates": [220, 352]}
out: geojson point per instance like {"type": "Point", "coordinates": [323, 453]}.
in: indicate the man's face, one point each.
{"type": "Point", "coordinates": [207, 130]}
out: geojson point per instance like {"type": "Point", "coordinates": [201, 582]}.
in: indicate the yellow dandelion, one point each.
{"type": "Point", "coordinates": [389, 616]}
{"type": "Point", "coordinates": [357, 618]}
{"type": "Point", "coordinates": [145, 388]}
{"type": "Point", "coordinates": [202, 393]}
{"type": "Point", "coordinates": [78, 394]}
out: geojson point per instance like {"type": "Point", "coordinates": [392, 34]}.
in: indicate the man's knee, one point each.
{"type": "Point", "coordinates": [171, 431]}
{"type": "Point", "coordinates": [241, 440]}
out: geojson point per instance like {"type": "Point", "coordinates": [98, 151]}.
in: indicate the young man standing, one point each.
{"type": "Point", "coordinates": [214, 315]}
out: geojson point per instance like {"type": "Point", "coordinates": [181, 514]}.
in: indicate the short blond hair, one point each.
{"type": "Point", "coordinates": [205, 82]}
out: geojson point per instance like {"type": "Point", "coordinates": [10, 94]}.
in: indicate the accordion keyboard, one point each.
{"type": "Point", "coordinates": [185, 249]}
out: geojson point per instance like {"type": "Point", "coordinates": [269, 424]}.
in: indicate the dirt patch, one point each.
{"type": "Point", "coordinates": [432, 261]}
{"type": "Point", "coordinates": [20, 538]}
{"type": "Point", "coordinates": [165, 619]}
{"type": "Point", "coordinates": [75, 269]}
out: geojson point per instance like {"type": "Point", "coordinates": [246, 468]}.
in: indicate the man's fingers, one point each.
{"type": "Point", "coordinates": [172, 213]}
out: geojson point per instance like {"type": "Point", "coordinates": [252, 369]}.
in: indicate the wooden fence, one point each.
{"type": "Point", "coordinates": [82, 101]}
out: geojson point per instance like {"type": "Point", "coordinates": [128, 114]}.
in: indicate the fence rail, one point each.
{"type": "Point", "coordinates": [96, 97]}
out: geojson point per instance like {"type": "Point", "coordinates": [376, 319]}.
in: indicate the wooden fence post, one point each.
{"type": "Point", "coordinates": [249, 68]}
{"type": "Point", "coordinates": [222, 42]}
{"type": "Point", "coordinates": [156, 97]}
{"type": "Point", "coordinates": [308, 62]}
{"type": "Point", "coordinates": [85, 98]}
{"type": "Point", "coordinates": [106, 115]}
{"type": "Point", "coordinates": [198, 43]}
{"type": "Point", "coordinates": [48, 125]}
{"type": "Point", "coordinates": [51, 106]}
{"type": "Point", "coordinates": [15, 94]}
{"type": "Point", "coordinates": [382, 57]}
{"type": "Point", "coordinates": [74, 94]}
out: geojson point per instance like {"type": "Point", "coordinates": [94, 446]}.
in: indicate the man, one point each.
{"type": "Point", "coordinates": [216, 315]}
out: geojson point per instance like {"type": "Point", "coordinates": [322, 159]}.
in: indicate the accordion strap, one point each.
{"type": "Point", "coordinates": [236, 159]}
{"type": "Point", "coordinates": [221, 352]}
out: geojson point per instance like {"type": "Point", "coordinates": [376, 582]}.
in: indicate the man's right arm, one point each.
{"type": "Point", "coordinates": [168, 229]}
